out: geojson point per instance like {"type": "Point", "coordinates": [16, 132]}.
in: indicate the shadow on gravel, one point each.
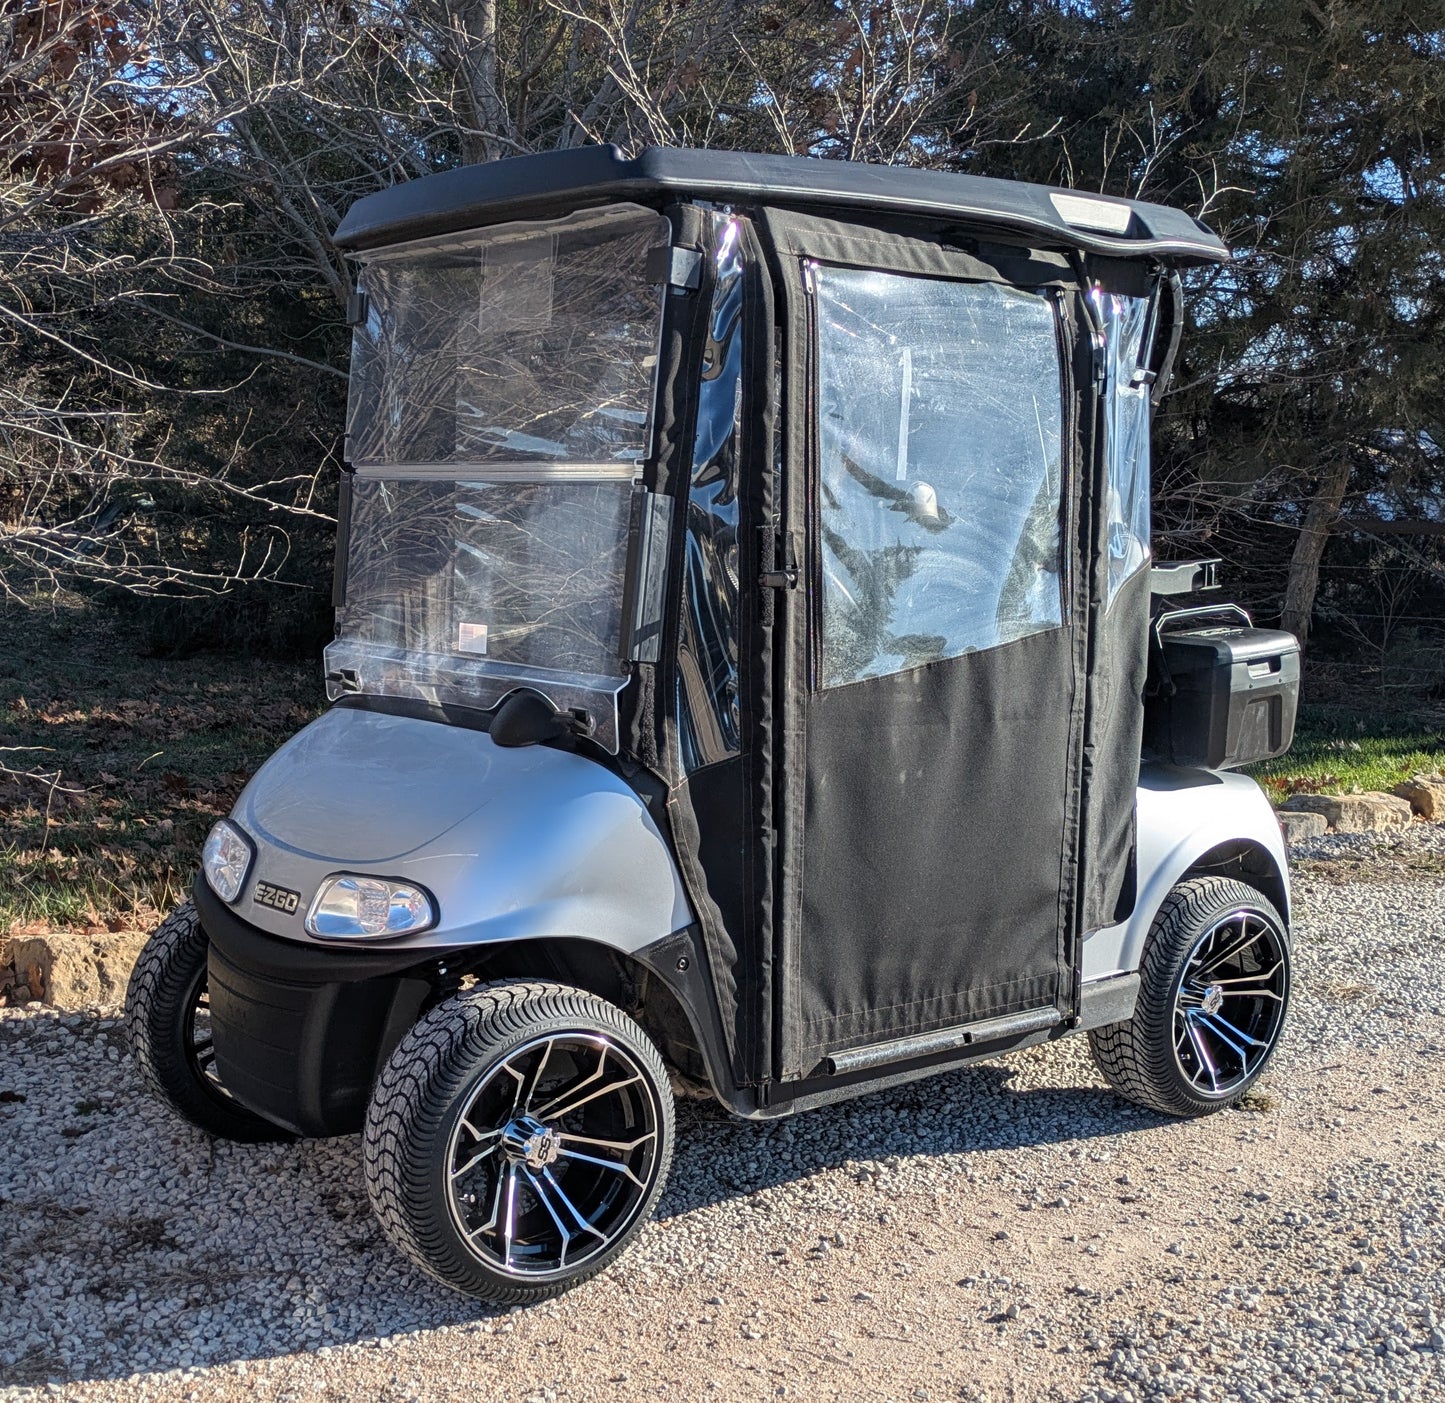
{"type": "Point", "coordinates": [134, 1244]}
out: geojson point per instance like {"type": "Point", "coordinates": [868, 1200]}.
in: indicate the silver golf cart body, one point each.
{"type": "Point", "coordinates": [502, 763]}
{"type": "Point", "coordinates": [534, 843]}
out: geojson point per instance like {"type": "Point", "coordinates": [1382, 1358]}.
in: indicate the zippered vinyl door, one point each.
{"type": "Point", "coordinates": [933, 695]}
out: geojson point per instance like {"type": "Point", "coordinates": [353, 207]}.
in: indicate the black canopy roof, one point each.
{"type": "Point", "coordinates": [555, 182]}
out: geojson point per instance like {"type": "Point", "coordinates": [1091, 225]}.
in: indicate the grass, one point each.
{"type": "Point", "coordinates": [1341, 749]}
{"type": "Point", "coordinates": [113, 766]}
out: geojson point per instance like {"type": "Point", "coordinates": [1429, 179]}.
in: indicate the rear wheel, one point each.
{"type": "Point", "coordinates": [1214, 988]}
{"type": "Point", "coordinates": [168, 1024]}
{"type": "Point", "coordinates": [518, 1138]}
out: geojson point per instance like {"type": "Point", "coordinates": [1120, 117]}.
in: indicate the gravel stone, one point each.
{"type": "Point", "coordinates": [141, 1261]}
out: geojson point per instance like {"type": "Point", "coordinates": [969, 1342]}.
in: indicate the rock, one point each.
{"type": "Point", "coordinates": [71, 971]}
{"type": "Point", "coordinates": [1370, 812]}
{"type": "Point", "coordinates": [1424, 793]}
{"type": "Point", "coordinates": [1299, 826]}
{"type": "Point", "coordinates": [8, 977]}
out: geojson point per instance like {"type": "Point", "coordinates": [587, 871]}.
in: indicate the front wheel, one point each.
{"type": "Point", "coordinates": [168, 1025]}
{"type": "Point", "coordinates": [518, 1138]}
{"type": "Point", "coordinates": [1213, 989]}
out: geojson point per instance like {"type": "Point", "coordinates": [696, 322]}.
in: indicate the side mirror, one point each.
{"type": "Point", "coordinates": [1161, 335]}
{"type": "Point", "coordinates": [526, 717]}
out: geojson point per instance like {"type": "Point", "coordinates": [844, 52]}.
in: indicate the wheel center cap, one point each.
{"type": "Point", "coordinates": [1213, 999]}
{"type": "Point", "coordinates": [530, 1142]}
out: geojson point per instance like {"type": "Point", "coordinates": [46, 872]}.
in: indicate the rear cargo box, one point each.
{"type": "Point", "coordinates": [1221, 695]}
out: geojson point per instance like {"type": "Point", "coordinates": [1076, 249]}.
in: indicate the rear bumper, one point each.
{"type": "Point", "coordinates": [301, 1032]}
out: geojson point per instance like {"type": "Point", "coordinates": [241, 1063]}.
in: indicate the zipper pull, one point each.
{"type": "Point", "coordinates": [787, 577]}
{"type": "Point", "coordinates": [1100, 358]}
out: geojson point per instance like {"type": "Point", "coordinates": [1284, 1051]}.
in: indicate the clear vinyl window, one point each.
{"type": "Point", "coordinates": [527, 344]}
{"type": "Point", "coordinates": [518, 573]}
{"type": "Point", "coordinates": [1126, 433]}
{"type": "Point", "coordinates": [708, 681]}
{"type": "Point", "coordinates": [940, 477]}
{"type": "Point", "coordinates": [500, 407]}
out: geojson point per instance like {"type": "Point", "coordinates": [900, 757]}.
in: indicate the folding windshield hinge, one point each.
{"type": "Point", "coordinates": [786, 552]}
{"type": "Point", "coordinates": [676, 268]}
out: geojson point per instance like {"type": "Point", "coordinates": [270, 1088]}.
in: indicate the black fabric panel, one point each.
{"type": "Point", "coordinates": [720, 815]}
{"type": "Point", "coordinates": [708, 813]}
{"type": "Point", "coordinates": [935, 809]}
{"type": "Point", "coordinates": [1113, 746]}
{"type": "Point", "coordinates": [1076, 360]}
{"type": "Point", "coordinates": [856, 245]}
{"type": "Point", "coordinates": [758, 491]}
{"type": "Point", "coordinates": [791, 645]}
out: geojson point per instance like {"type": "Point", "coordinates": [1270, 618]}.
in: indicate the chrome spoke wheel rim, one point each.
{"type": "Point", "coordinates": [1230, 1002]}
{"type": "Point", "coordinates": [553, 1155]}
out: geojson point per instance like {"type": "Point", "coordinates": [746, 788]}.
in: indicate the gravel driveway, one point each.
{"type": "Point", "coordinates": [1010, 1232]}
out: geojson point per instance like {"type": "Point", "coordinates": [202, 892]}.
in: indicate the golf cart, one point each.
{"type": "Point", "coordinates": [747, 642]}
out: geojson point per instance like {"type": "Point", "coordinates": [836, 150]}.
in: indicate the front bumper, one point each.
{"type": "Point", "coordinates": [301, 1031]}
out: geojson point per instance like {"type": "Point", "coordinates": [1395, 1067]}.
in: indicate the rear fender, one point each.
{"type": "Point", "coordinates": [1192, 822]}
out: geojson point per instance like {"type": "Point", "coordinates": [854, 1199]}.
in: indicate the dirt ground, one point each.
{"type": "Point", "coordinates": [1011, 1232]}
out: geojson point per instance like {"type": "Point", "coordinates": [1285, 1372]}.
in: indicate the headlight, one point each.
{"type": "Point", "coordinates": [226, 859]}
{"type": "Point", "coordinates": [369, 906]}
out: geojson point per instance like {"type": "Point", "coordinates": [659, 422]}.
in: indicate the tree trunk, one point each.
{"type": "Point", "coordinates": [480, 76]}
{"type": "Point", "coordinates": [1304, 564]}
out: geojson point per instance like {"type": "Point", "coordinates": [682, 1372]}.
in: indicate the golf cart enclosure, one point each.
{"type": "Point", "coordinates": [745, 620]}
{"type": "Point", "coordinates": [814, 499]}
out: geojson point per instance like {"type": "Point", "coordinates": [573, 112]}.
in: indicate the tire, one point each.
{"type": "Point", "coordinates": [166, 993]}
{"type": "Point", "coordinates": [471, 1146]}
{"type": "Point", "coordinates": [1205, 1024]}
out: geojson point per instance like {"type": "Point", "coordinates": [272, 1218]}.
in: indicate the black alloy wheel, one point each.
{"type": "Point", "coordinates": [1214, 991]}
{"type": "Point", "coordinates": [168, 1025]}
{"type": "Point", "coordinates": [518, 1139]}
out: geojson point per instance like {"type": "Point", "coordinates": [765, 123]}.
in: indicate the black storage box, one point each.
{"type": "Point", "coordinates": [1220, 695]}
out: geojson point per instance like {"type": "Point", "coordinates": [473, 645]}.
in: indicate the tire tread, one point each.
{"type": "Point", "coordinates": [154, 1007]}
{"type": "Point", "coordinates": [415, 1094]}
{"type": "Point", "coordinates": [1133, 1057]}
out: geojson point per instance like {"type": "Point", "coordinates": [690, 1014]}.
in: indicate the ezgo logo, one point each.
{"type": "Point", "coordinates": [277, 898]}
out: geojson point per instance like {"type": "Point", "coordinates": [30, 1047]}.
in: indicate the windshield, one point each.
{"type": "Point", "coordinates": [525, 573]}
{"type": "Point", "coordinates": [525, 345]}
{"type": "Point", "coordinates": [500, 408]}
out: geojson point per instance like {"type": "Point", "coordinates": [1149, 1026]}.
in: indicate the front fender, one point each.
{"type": "Point", "coordinates": [514, 844]}
{"type": "Point", "coordinates": [1182, 815]}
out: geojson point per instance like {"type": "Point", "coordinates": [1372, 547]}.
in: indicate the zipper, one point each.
{"type": "Point", "coordinates": [812, 474]}
{"type": "Point", "coordinates": [1069, 460]}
